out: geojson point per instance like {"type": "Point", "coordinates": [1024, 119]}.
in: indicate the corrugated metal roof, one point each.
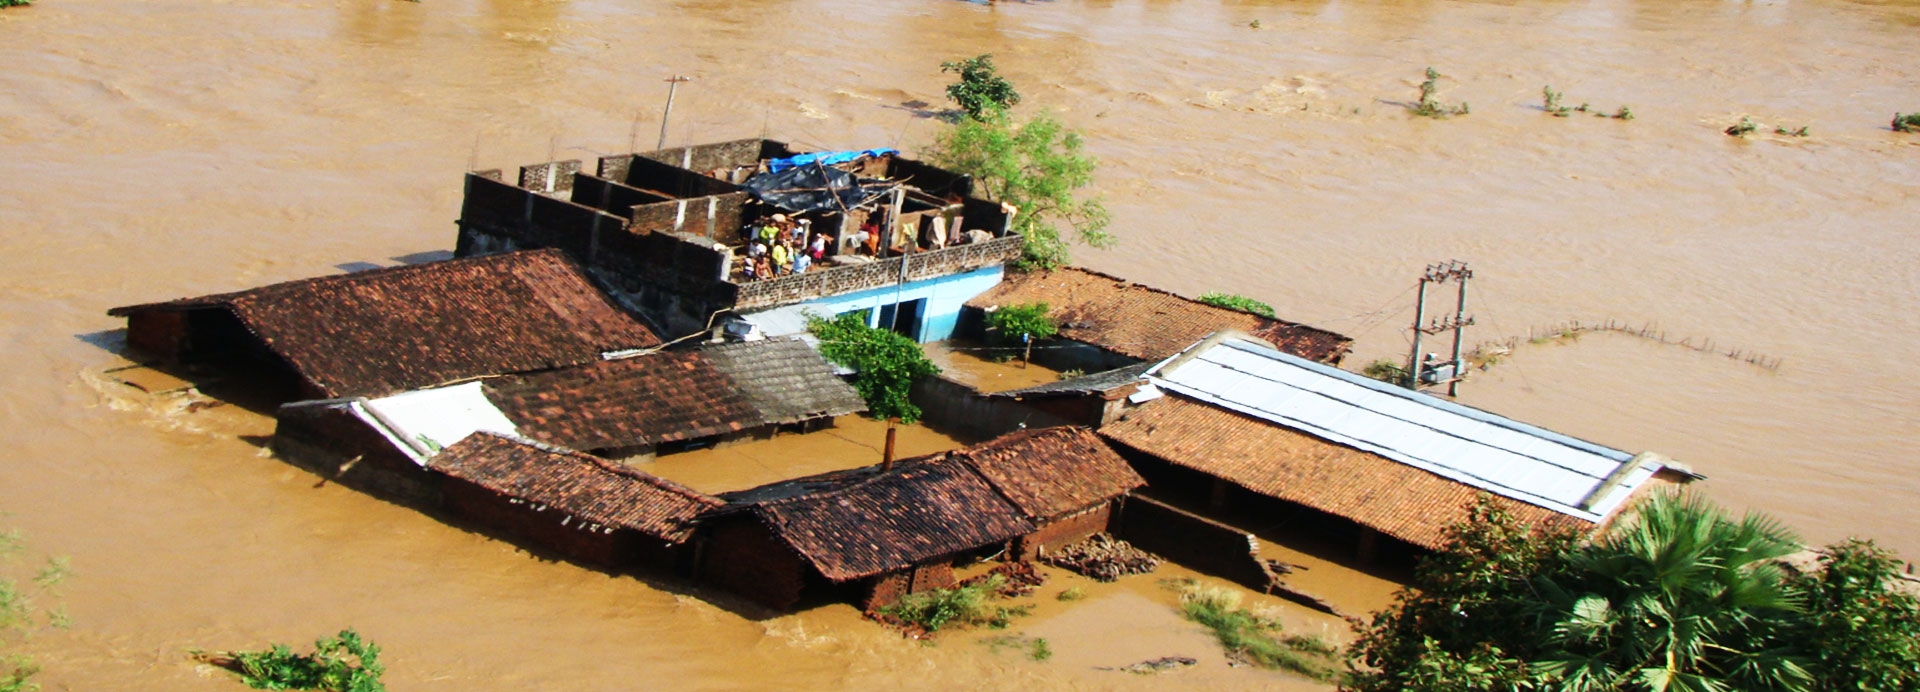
{"type": "Point", "coordinates": [1481, 449]}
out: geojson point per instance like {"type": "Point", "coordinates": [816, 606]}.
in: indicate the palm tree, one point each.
{"type": "Point", "coordinates": [1681, 597]}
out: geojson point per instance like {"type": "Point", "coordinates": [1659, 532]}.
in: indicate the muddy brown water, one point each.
{"type": "Point", "coordinates": [152, 148]}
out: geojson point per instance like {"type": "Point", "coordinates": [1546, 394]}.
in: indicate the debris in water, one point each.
{"type": "Point", "coordinates": [1158, 665]}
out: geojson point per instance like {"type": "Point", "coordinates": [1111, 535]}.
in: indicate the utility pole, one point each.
{"type": "Point", "coordinates": [673, 84]}
{"type": "Point", "coordinates": [1417, 368]}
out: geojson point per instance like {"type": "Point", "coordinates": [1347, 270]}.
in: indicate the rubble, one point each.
{"type": "Point", "coordinates": [1104, 558]}
{"type": "Point", "coordinates": [1017, 579]}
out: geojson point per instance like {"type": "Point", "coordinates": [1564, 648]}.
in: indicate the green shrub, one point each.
{"type": "Point", "coordinates": [961, 605]}
{"type": "Point", "coordinates": [341, 663]}
{"type": "Point", "coordinates": [1906, 123]}
{"type": "Point", "coordinates": [885, 364]}
{"type": "Point", "coordinates": [1386, 371]}
{"type": "Point", "coordinates": [5, 4]}
{"type": "Point", "coordinates": [1029, 320]}
{"type": "Point", "coordinates": [1237, 302]}
{"type": "Point", "coordinates": [1073, 593]}
{"type": "Point", "coordinates": [1431, 107]}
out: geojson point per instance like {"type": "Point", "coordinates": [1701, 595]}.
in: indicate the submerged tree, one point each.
{"type": "Point", "coordinates": [1864, 622]}
{"type": "Point", "coordinates": [23, 611]}
{"type": "Point", "coordinates": [1039, 168]}
{"type": "Point", "coordinates": [981, 90]}
{"type": "Point", "coordinates": [344, 662]}
{"type": "Point", "coordinates": [885, 364]}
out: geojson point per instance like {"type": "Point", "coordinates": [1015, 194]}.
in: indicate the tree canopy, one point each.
{"type": "Point", "coordinates": [1040, 167]}
{"type": "Point", "coordinates": [885, 364]}
{"type": "Point", "coordinates": [981, 90]}
{"type": "Point", "coordinates": [1016, 321]}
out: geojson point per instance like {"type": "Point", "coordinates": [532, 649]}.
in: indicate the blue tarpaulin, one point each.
{"type": "Point", "coordinates": [825, 158]}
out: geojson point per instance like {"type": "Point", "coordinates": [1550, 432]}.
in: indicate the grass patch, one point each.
{"type": "Point", "coordinates": [1073, 593]}
{"type": "Point", "coordinates": [958, 606]}
{"type": "Point", "coordinates": [1034, 648]}
{"type": "Point", "coordinates": [1237, 302]}
{"type": "Point", "coordinates": [1256, 638]}
{"type": "Point", "coordinates": [1387, 371]}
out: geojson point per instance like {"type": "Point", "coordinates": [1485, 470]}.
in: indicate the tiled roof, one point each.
{"type": "Point", "coordinates": [1396, 499]}
{"type": "Point", "coordinates": [785, 379]}
{"type": "Point", "coordinates": [889, 521]}
{"type": "Point", "coordinates": [1147, 323]}
{"type": "Point", "coordinates": [388, 330]}
{"type": "Point", "coordinates": [645, 400]}
{"type": "Point", "coordinates": [594, 490]}
{"type": "Point", "coordinates": [1096, 383]}
{"type": "Point", "coordinates": [1051, 471]}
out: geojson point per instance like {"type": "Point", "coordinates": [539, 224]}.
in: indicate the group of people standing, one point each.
{"type": "Point", "coordinates": [779, 246]}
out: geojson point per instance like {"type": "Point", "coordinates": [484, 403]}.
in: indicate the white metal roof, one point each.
{"type": "Point", "coordinates": [1465, 444]}
{"type": "Point", "coordinates": [423, 422]}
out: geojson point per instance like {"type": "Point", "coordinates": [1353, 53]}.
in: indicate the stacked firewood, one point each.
{"type": "Point", "coordinates": [1104, 558]}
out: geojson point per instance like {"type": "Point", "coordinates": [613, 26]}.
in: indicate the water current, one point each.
{"type": "Point", "coordinates": [152, 149]}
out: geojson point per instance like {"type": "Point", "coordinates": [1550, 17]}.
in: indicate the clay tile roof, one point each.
{"type": "Point", "coordinates": [1051, 472]}
{"type": "Point", "coordinates": [1393, 498]}
{"type": "Point", "coordinates": [785, 379]}
{"type": "Point", "coordinates": [889, 521]}
{"type": "Point", "coordinates": [388, 330]}
{"type": "Point", "coordinates": [645, 400]}
{"type": "Point", "coordinates": [595, 490]}
{"type": "Point", "coordinates": [1147, 323]}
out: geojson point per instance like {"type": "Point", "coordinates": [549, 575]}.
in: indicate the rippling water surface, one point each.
{"type": "Point", "coordinates": [160, 148]}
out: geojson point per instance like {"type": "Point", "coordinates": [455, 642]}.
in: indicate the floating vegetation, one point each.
{"type": "Point", "coordinates": [1743, 128]}
{"type": "Point", "coordinates": [1802, 132]}
{"type": "Point", "coordinates": [1550, 102]}
{"type": "Point", "coordinates": [1491, 353]}
{"type": "Point", "coordinates": [1256, 638]}
{"type": "Point", "coordinates": [1909, 122]}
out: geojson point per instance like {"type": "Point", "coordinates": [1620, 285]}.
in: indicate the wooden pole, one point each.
{"type": "Point", "coordinates": [673, 84]}
{"type": "Point", "coordinates": [1027, 357]}
{"type": "Point", "coordinates": [886, 458]}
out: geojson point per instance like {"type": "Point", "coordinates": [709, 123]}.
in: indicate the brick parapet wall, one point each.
{"type": "Point", "coordinates": [837, 280]}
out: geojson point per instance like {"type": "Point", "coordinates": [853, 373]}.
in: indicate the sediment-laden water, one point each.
{"type": "Point", "coordinates": [151, 149]}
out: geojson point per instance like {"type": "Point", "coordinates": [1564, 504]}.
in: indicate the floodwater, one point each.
{"type": "Point", "coordinates": [155, 148]}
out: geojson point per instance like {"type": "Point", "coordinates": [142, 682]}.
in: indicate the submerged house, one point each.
{"type": "Point", "coordinates": [633, 408]}
{"type": "Point", "coordinates": [1244, 425]}
{"type": "Point", "coordinates": [585, 508]}
{"type": "Point", "coordinates": [874, 534]}
{"type": "Point", "coordinates": [663, 231]}
{"type": "Point", "coordinates": [390, 330]}
{"type": "Point", "coordinates": [1107, 322]}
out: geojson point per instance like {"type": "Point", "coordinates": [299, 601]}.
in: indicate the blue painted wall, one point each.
{"type": "Point", "coordinates": [944, 295]}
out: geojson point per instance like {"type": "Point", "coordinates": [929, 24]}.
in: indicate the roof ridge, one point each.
{"type": "Point", "coordinates": [278, 287]}
{"type": "Point", "coordinates": [1129, 283]}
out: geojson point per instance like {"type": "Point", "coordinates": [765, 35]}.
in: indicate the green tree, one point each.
{"type": "Point", "coordinates": [1459, 625]}
{"type": "Point", "coordinates": [981, 90]}
{"type": "Point", "coordinates": [885, 364]}
{"type": "Point", "coordinates": [1864, 622]}
{"type": "Point", "coordinates": [1681, 597]}
{"type": "Point", "coordinates": [1039, 168]}
{"type": "Point", "coordinates": [23, 612]}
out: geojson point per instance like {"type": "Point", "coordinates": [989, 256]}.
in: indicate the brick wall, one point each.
{"type": "Point", "coordinates": [1194, 541]}
{"type": "Point", "coordinates": [534, 526]}
{"type": "Point", "coordinates": [330, 441]}
{"type": "Point", "coordinates": [743, 557]}
{"type": "Point", "coordinates": [955, 407]}
{"type": "Point", "coordinates": [1064, 531]}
